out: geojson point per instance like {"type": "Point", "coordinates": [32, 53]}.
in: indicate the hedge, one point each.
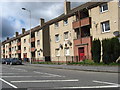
{"type": "Point", "coordinates": [96, 50]}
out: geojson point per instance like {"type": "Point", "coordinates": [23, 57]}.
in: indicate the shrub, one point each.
{"type": "Point", "coordinates": [111, 50]}
{"type": "Point", "coordinates": [96, 50]}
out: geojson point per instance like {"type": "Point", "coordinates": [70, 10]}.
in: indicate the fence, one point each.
{"type": "Point", "coordinates": [58, 59]}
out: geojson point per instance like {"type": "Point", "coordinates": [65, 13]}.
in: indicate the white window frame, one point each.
{"type": "Point", "coordinates": [66, 33]}
{"type": "Point", "coordinates": [24, 40]}
{"type": "Point", "coordinates": [57, 52]}
{"type": "Point", "coordinates": [67, 53]}
{"type": "Point", "coordinates": [38, 43]}
{"type": "Point", "coordinates": [103, 27]}
{"type": "Point", "coordinates": [57, 36]}
{"type": "Point", "coordinates": [101, 8]}
{"type": "Point", "coordinates": [56, 24]}
{"type": "Point", "coordinates": [64, 21]}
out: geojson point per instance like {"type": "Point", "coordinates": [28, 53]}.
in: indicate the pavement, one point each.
{"type": "Point", "coordinates": [110, 69]}
{"type": "Point", "coordinates": [35, 77]}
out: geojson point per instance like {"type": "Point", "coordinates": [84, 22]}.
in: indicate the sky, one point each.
{"type": "Point", "coordinates": [13, 18]}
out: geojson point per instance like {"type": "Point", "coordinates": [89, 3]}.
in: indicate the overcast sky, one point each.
{"type": "Point", "coordinates": [14, 18]}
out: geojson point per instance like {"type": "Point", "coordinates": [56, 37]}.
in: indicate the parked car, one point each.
{"type": "Point", "coordinates": [13, 61]}
{"type": "Point", "coordinates": [7, 61]}
{"type": "Point", "coordinates": [3, 60]}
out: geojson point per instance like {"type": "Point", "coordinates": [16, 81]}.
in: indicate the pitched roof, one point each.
{"type": "Point", "coordinates": [87, 5]}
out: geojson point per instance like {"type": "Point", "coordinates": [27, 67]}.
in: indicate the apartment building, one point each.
{"type": "Point", "coordinates": [67, 37]}
{"type": "Point", "coordinates": [72, 33]}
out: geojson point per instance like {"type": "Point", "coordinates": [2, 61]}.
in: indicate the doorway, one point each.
{"type": "Point", "coordinates": [81, 53]}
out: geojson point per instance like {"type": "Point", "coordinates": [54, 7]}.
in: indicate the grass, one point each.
{"type": "Point", "coordinates": [91, 62]}
{"type": "Point", "coordinates": [85, 62]}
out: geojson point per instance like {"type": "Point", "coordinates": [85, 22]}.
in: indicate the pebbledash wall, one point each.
{"type": "Point", "coordinates": [68, 36]}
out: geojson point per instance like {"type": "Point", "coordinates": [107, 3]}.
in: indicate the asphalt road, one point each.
{"type": "Point", "coordinates": [40, 78]}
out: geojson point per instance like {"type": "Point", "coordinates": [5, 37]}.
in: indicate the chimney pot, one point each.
{"type": "Point", "coordinates": [42, 21]}
{"type": "Point", "coordinates": [67, 7]}
{"type": "Point", "coordinates": [7, 38]}
{"type": "Point", "coordinates": [16, 34]}
{"type": "Point", "coordinates": [23, 30]}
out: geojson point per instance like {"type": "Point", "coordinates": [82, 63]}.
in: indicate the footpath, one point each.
{"type": "Point", "coordinates": [110, 69]}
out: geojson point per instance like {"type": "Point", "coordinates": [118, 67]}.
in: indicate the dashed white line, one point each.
{"type": "Point", "coordinates": [110, 86]}
{"type": "Point", "coordinates": [54, 75]}
{"type": "Point", "coordinates": [8, 83]}
{"type": "Point", "coordinates": [41, 81]}
{"type": "Point", "coordinates": [104, 82]}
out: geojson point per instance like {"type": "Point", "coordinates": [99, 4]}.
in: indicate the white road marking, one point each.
{"type": "Point", "coordinates": [110, 86]}
{"type": "Point", "coordinates": [19, 69]}
{"type": "Point", "coordinates": [54, 75]}
{"type": "Point", "coordinates": [41, 81]}
{"type": "Point", "coordinates": [8, 73]}
{"type": "Point", "coordinates": [8, 83]}
{"type": "Point", "coordinates": [104, 82]}
{"type": "Point", "coordinates": [22, 76]}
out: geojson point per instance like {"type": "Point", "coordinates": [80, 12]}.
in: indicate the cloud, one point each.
{"type": "Point", "coordinates": [14, 18]}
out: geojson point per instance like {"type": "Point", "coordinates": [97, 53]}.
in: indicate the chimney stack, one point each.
{"type": "Point", "coordinates": [7, 38]}
{"type": "Point", "coordinates": [67, 7]}
{"type": "Point", "coordinates": [42, 21]}
{"type": "Point", "coordinates": [23, 30]}
{"type": "Point", "coordinates": [16, 34]}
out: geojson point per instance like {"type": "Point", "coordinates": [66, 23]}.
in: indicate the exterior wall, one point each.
{"type": "Point", "coordinates": [14, 49]}
{"type": "Point", "coordinates": [86, 43]}
{"type": "Point", "coordinates": [97, 17]}
{"type": "Point", "coordinates": [119, 15]}
{"type": "Point", "coordinates": [39, 48]}
{"type": "Point", "coordinates": [27, 45]}
{"type": "Point", "coordinates": [1, 51]}
{"type": "Point", "coordinates": [7, 50]}
{"type": "Point", "coordinates": [55, 45]}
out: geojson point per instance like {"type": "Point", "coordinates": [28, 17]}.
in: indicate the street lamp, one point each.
{"type": "Point", "coordinates": [30, 31]}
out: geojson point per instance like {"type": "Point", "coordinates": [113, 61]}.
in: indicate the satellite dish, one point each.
{"type": "Point", "coordinates": [116, 33]}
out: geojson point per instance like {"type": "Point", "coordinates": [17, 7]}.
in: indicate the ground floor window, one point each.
{"type": "Point", "coordinates": [67, 51]}
{"type": "Point", "coordinates": [57, 52]}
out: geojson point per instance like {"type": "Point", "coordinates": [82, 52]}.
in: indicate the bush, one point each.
{"type": "Point", "coordinates": [96, 51]}
{"type": "Point", "coordinates": [111, 50]}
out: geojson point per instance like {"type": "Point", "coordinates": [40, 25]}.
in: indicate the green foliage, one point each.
{"type": "Point", "coordinates": [96, 50]}
{"type": "Point", "coordinates": [111, 50]}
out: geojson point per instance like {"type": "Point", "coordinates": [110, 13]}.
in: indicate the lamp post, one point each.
{"type": "Point", "coordinates": [30, 31]}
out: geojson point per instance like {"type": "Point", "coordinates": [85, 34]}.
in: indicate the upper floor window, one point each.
{"type": "Point", "coordinates": [38, 42]}
{"type": "Point", "coordinates": [24, 48]}
{"type": "Point", "coordinates": [105, 26]}
{"type": "Point", "coordinates": [65, 21]}
{"type": "Point", "coordinates": [66, 35]}
{"type": "Point", "coordinates": [56, 24]}
{"type": "Point", "coordinates": [104, 7]}
{"type": "Point", "coordinates": [57, 38]}
{"type": "Point", "coordinates": [37, 33]}
{"type": "Point", "coordinates": [24, 40]}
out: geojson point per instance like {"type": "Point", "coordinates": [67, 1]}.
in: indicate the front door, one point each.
{"type": "Point", "coordinates": [25, 55]}
{"type": "Point", "coordinates": [81, 53]}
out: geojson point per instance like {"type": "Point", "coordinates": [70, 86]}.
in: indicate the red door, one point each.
{"type": "Point", "coordinates": [25, 55]}
{"type": "Point", "coordinates": [81, 53]}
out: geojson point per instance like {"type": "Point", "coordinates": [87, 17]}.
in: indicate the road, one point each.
{"type": "Point", "coordinates": [37, 78]}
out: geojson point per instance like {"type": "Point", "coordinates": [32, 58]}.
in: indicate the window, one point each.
{"type": "Point", "coordinates": [104, 7]}
{"type": "Point", "coordinates": [67, 51]}
{"type": "Point", "coordinates": [57, 38]}
{"type": "Point", "coordinates": [56, 24]}
{"type": "Point", "coordinates": [105, 26]}
{"type": "Point", "coordinates": [66, 35]}
{"type": "Point", "coordinates": [24, 40]}
{"type": "Point", "coordinates": [38, 53]}
{"type": "Point", "coordinates": [24, 48]}
{"type": "Point", "coordinates": [15, 47]}
{"type": "Point", "coordinates": [37, 33]}
{"type": "Point", "coordinates": [65, 21]}
{"type": "Point", "coordinates": [57, 52]}
{"type": "Point", "coordinates": [38, 42]}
